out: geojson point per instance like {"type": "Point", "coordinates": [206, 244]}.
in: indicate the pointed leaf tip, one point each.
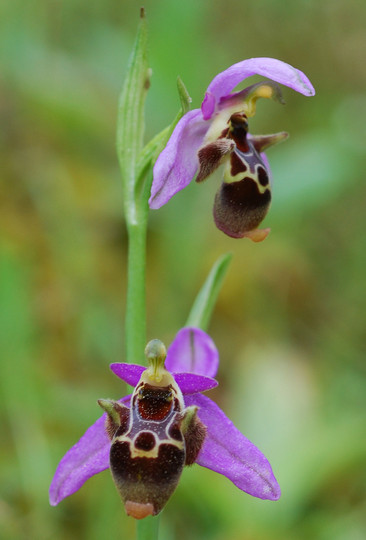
{"type": "Point", "coordinates": [185, 98]}
{"type": "Point", "coordinates": [130, 122]}
{"type": "Point", "coordinates": [205, 301]}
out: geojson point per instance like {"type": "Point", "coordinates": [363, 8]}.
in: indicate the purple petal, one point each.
{"type": "Point", "coordinates": [270, 68]}
{"type": "Point", "coordinates": [208, 105]}
{"type": "Point", "coordinates": [228, 452]}
{"type": "Point", "coordinates": [178, 162]}
{"type": "Point", "coordinates": [191, 383]}
{"type": "Point", "coordinates": [87, 457]}
{"type": "Point", "coordinates": [193, 351]}
{"type": "Point", "coordinates": [129, 373]}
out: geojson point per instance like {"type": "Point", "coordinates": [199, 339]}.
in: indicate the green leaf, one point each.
{"type": "Point", "coordinates": [130, 122]}
{"type": "Point", "coordinates": [185, 98]}
{"type": "Point", "coordinates": [204, 304]}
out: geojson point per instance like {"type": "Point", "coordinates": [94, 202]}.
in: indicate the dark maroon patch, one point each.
{"type": "Point", "coordinates": [239, 207]}
{"type": "Point", "coordinates": [146, 480]}
{"type": "Point", "coordinates": [154, 403]}
{"type": "Point", "coordinates": [145, 441]}
{"type": "Point", "coordinates": [175, 432]}
{"type": "Point", "coordinates": [239, 131]}
{"type": "Point", "coordinates": [237, 165]}
{"type": "Point", "coordinates": [263, 176]}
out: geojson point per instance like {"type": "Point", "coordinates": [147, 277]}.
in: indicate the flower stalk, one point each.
{"type": "Point", "coordinates": [148, 528]}
{"type": "Point", "coordinates": [135, 318]}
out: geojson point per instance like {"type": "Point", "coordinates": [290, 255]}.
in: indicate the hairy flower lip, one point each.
{"type": "Point", "coordinates": [225, 450]}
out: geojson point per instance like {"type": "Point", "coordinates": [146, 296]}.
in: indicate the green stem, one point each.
{"type": "Point", "coordinates": [148, 528]}
{"type": "Point", "coordinates": [135, 323]}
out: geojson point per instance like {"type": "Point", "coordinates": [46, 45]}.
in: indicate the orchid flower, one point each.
{"type": "Point", "coordinates": [167, 423]}
{"type": "Point", "coordinates": [216, 134]}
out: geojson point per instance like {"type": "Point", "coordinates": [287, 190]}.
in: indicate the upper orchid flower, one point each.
{"type": "Point", "coordinates": [217, 133]}
{"type": "Point", "coordinates": [148, 437]}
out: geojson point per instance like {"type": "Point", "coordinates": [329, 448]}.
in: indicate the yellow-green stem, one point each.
{"type": "Point", "coordinates": [135, 322]}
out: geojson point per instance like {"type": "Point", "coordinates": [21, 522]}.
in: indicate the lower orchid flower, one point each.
{"type": "Point", "coordinates": [146, 439]}
{"type": "Point", "coordinates": [217, 134]}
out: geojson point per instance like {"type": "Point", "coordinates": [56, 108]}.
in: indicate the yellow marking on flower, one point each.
{"type": "Point", "coordinates": [257, 235]}
{"type": "Point", "coordinates": [229, 178]}
{"type": "Point", "coordinates": [265, 90]}
{"type": "Point", "coordinates": [154, 452]}
{"type": "Point", "coordinates": [218, 124]}
{"type": "Point", "coordinates": [139, 510]}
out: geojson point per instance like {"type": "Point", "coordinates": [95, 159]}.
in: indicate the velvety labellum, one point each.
{"type": "Point", "coordinates": [239, 208]}
{"type": "Point", "coordinates": [244, 197]}
{"type": "Point", "coordinates": [151, 443]}
{"type": "Point", "coordinates": [245, 194]}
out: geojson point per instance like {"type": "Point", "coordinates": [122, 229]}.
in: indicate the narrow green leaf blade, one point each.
{"type": "Point", "coordinates": [130, 122]}
{"type": "Point", "coordinates": [185, 98]}
{"type": "Point", "coordinates": [205, 301]}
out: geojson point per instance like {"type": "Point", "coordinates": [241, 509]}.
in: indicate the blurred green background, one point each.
{"type": "Point", "coordinates": [290, 320]}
